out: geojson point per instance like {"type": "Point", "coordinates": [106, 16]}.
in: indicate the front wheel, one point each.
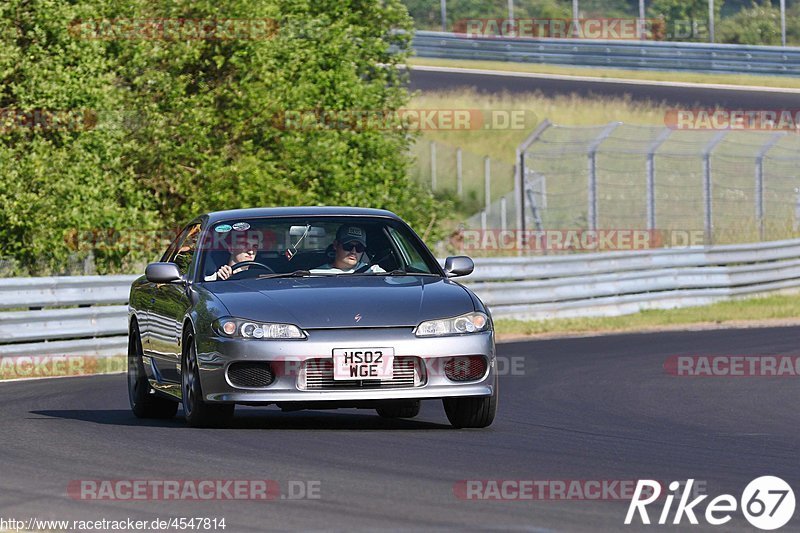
{"type": "Point", "coordinates": [197, 411]}
{"type": "Point", "coordinates": [472, 412]}
{"type": "Point", "coordinates": [143, 399]}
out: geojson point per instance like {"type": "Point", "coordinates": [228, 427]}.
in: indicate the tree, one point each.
{"type": "Point", "coordinates": [213, 136]}
{"type": "Point", "coordinates": [683, 20]}
{"type": "Point", "coordinates": [182, 125]}
{"type": "Point", "coordinates": [64, 172]}
{"type": "Point", "coordinates": [758, 24]}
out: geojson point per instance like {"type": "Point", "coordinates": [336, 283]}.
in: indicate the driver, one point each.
{"type": "Point", "coordinates": [241, 250]}
{"type": "Point", "coordinates": [348, 247]}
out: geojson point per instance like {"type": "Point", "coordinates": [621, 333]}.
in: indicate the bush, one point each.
{"type": "Point", "coordinates": [758, 24]}
{"type": "Point", "coordinates": [184, 127]}
{"type": "Point", "coordinates": [682, 20]}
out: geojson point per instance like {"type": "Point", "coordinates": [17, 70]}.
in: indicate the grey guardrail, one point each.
{"type": "Point", "coordinates": [39, 315]}
{"type": "Point", "coordinates": [653, 55]}
{"type": "Point", "coordinates": [87, 315]}
{"type": "Point", "coordinates": [615, 283]}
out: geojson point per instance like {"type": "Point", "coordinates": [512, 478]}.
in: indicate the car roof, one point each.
{"type": "Point", "coordinates": [304, 211]}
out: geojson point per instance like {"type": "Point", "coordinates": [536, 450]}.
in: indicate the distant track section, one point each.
{"type": "Point", "coordinates": [427, 78]}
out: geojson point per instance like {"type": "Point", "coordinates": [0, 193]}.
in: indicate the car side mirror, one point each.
{"type": "Point", "coordinates": [458, 265]}
{"type": "Point", "coordinates": [162, 273]}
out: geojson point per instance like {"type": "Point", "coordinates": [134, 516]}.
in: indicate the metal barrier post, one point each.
{"type": "Point", "coordinates": [519, 185]}
{"type": "Point", "coordinates": [459, 174]}
{"type": "Point", "coordinates": [651, 177]}
{"type": "Point", "coordinates": [487, 184]}
{"type": "Point", "coordinates": [503, 214]}
{"type": "Point", "coordinates": [592, 213]}
{"type": "Point", "coordinates": [433, 166]}
{"type": "Point", "coordinates": [708, 226]}
{"type": "Point", "coordinates": [760, 181]}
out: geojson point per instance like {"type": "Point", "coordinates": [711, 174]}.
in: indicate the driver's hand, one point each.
{"type": "Point", "coordinates": [224, 272]}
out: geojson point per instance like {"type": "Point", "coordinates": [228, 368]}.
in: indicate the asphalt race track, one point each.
{"type": "Point", "coordinates": [425, 79]}
{"type": "Point", "coordinates": [583, 409]}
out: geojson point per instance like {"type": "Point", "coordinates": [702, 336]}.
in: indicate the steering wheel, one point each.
{"type": "Point", "coordinates": [372, 263]}
{"type": "Point", "coordinates": [250, 264]}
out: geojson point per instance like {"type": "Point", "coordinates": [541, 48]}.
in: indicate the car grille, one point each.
{"type": "Point", "coordinates": [317, 374]}
{"type": "Point", "coordinates": [470, 368]}
{"type": "Point", "coordinates": [250, 374]}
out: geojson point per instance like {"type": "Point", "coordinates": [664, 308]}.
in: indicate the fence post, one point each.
{"type": "Point", "coordinates": [711, 21]}
{"type": "Point", "coordinates": [483, 221]}
{"type": "Point", "coordinates": [592, 212]}
{"type": "Point", "coordinates": [708, 225]}
{"type": "Point", "coordinates": [503, 214]}
{"type": "Point", "coordinates": [459, 174]}
{"type": "Point", "coordinates": [762, 152]}
{"type": "Point", "coordinates": [487, 184]}
{"type": "Point", "coordinates": [796, 221]}
{"type": "Point", "coordinates": [433, 166]}
{"type": "Point", "coordinates": [651, 177]}
{"type": "Point", "coordinates": [519, 178]}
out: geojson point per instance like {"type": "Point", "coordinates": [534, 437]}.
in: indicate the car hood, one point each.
{"type": "Point", "coordinates": [344, 301]}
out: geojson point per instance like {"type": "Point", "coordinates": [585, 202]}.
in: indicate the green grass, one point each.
{"type": "Point", "coordinates": [775, 307]}
{"type": "Point", "coordinates": [654, 75]}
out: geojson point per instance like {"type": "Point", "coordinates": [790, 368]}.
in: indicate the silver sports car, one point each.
{"type": "Point", "coordinates": [307, 308]}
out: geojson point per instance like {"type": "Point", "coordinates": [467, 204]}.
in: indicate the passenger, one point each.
{"type": "Point", "coordinates": [348, 248]}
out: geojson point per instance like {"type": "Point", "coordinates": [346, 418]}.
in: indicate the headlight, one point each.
{"type": "Point", "coordinates": [249, 329]}
{"type": "Point", "coordinates": [460, 325]}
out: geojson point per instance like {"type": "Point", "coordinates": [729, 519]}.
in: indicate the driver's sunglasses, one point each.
{"type": "Point", "coordinates": [359, 248]}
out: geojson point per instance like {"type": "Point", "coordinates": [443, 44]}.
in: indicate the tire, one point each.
{"type": "Point", "coordinates": [198, 412]}
{"type": "Point", "coordinates": [472, 412]}
{"type": "Point", "coordinates": [145, 403]}
{"type": "Point", "coordinates": [404, 409]}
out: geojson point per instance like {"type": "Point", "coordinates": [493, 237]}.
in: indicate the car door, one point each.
{"type": "Point", "coordinates": [143, 297]}
{"type": "Point", "coordinates": [169, 306]}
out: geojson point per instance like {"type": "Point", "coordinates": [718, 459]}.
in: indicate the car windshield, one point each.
{"type": "Point", "coordinates": [272, 247]}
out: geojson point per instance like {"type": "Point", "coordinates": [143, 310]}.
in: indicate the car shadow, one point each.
{"type": "Point", "coordinates": [249, 419]}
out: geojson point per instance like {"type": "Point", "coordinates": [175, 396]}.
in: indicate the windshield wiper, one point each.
{"type": "Point", "coordinates": [295, 274]}
{"type": "Point", "coordinates": [395, 272]}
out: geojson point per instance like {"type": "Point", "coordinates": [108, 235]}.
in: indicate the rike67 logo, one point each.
{"type": "Point", "coordinates": [767, 503]}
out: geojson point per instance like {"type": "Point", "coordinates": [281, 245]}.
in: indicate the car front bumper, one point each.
{"type": "Point", "coordinates": [216, 354]}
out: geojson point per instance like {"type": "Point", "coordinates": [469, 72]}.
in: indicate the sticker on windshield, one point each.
{"type": "Point", "coordinates": [241, 226]}
{"type": "Point", "coordinates": [222, 228]}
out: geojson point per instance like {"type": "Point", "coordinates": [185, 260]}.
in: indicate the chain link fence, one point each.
{"type": "Point", "coordinates": [720, 186]}
{"type": "Point", "coordinates": [735, 186]}
{"type": "Point", "coordinates": [476, 180]}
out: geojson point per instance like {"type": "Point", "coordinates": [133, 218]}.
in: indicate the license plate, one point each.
{"type": "Point", "coordinates": [363, 363]}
